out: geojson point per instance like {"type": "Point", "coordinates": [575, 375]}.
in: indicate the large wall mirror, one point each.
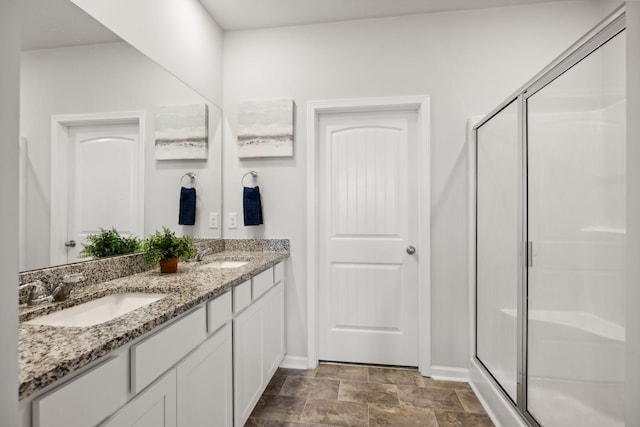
{"type": "Point", "coordinates": [81, 81]}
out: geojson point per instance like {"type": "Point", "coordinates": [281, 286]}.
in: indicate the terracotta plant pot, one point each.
{"type": "Point", "coordinates": [169, 265]}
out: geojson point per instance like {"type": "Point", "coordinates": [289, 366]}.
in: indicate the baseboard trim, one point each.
{"type": "Point", "coordinates": [449, 373]}
{"type": "Point", "coordinates": [494, 402]}
{"type": "Point", "coordinates": [295, 362]}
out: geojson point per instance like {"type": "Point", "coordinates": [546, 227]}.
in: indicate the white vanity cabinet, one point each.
{"type": "Point", "coordinates": [248, 357]}
{"type": "Point", "coordinates": [75, 403]}
{"type": "Point", "coordinates": [274, 330]}
{"type": "Point", "coordinates": [208, 367]}
{"type": "Point", "coordinates": [205, 392]}
{"type": "Point", "coordinates": [154, 407]}
{"type": "Point", "coordinates": [154, 355]}
{"type": "Point", "coordinates": [258, 345]}
{"type": "Point", "coordinates": [197, 390]}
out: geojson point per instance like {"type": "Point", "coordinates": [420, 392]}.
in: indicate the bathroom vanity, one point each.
{"type": "Point", "coordinates": [201, 355]}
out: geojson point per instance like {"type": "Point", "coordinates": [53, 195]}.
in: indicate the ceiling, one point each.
{"type": "Point", "coordinates": [250, 14]}
{"type": "Point", "coordinates": [59, 23]}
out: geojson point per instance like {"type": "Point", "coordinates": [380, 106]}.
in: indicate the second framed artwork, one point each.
{"type": "Point", "coordinates": [265, 128]}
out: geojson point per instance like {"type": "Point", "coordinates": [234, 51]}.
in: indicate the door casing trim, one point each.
{"type": "Point", "coordinates": [60, 125]}
{"type": "Point", "coordinates": [421, 104]}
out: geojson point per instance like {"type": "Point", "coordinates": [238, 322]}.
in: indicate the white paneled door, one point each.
{"type": "Point", "coordinates": [368, 237]}
{"type": "Point", "coordinates": [104, 182]}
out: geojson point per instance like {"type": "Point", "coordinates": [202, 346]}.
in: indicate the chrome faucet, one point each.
{"type": "Point", "coordinates": [64, 290]}
{"type": "Point", "coordinates": [201, 253]}
{"type": "Point", "coordinates": [37, 293]}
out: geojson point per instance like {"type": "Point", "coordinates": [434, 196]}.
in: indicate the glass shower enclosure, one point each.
{"type": "Point", "coordinates": [550, 238]}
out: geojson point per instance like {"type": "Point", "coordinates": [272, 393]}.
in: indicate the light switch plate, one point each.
{"type": "Point", "coordinates": [233, 220]}
{"type": "Point", "coordinates": [213, 219]}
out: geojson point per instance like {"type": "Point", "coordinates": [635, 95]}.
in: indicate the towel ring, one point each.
{"type": "Point", "coordinates": [192, 178]}
{"type": "Point", "coordinates": [254, 174]}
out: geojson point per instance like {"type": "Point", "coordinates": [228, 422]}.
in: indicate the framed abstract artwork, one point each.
{"type": "Point", "coordinates": [182, 132]}
{"type": "Point", "coordinates": [265, 128]}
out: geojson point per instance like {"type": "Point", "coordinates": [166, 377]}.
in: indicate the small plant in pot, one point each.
{"type": "Point", "coordinates": [110, 243]}
{"type": "Point", "coordinates": [165, 248]}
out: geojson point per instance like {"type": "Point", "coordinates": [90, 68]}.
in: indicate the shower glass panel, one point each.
{"type": "Point", "coordinates": [576, 223]}
{"type": "Point", "coordinates": [497, 251]}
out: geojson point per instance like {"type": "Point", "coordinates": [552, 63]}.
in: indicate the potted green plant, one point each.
{"type": "Point", "coordinates": [165, 248]}
{"type": "Point", "coordinates": [110, 243]}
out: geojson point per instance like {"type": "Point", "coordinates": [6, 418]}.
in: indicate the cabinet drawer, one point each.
{"type": "Point", "coordinates": [278, 272]}
{"type": "Point", "coordinates": [262, 283]}
{"type": "Point", "coordinates": [218, 312]}
{"type": "Point", "coordinates": [87, 399]}
{"type": "Point", "coordinates": [241, 296]}
{"type": "Point", "coordinates": [156, 354]}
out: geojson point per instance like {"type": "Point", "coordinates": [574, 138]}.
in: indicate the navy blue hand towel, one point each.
{"type": "Point", "coordinates": [252, 206]}
{"type": "Point", "coordinates": [187, 214]}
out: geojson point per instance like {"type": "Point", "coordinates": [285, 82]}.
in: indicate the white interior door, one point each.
{"type": "Point", "coordinates": [368, 222]}
{"type": "Point", "coordinates": [103, 182]}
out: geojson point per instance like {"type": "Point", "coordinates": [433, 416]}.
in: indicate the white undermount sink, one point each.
{"type": "Point", "coordinates": [224, 264]}
{"type": "Point", "coordinates": [97, 311]}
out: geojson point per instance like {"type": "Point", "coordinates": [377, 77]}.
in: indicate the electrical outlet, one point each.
{"type": "Point", "coordinates": [213, 219]}
{"type": "Point", "coordinates": [233, 220]}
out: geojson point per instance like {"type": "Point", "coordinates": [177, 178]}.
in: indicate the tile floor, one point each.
{"type": "Point", "coordinates": [345, 395]}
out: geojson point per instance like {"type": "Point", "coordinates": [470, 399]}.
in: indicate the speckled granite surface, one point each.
{"type": "Point", "coordinates": [48, 353]}
{"type": "Point", "coordinates": [100, 270]}
{"type": "Point", "coordinates": [256, 245]}
{"type": "Point", "coordinates": [94, 271]}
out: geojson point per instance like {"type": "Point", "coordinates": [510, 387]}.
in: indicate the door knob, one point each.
{"type": "Point", "coordinates": [70, 244]}
{"type": "Point", "coordinates": [411, 250]}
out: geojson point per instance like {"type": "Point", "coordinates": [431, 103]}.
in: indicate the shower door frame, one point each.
{"type": "Point", "coordinates": [609, 28]}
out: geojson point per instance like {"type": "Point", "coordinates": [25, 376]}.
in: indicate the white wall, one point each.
{"type": "Point", "coordinates": [178, 34]}
{"type": "Point", "coordinates": [467, 61]}
{"type": "Point", "coordinates": [632, 387]}
{"type": "Point", "coordinates": [106, 78]}
{"type": "Point", "coordinates": [9, 79]}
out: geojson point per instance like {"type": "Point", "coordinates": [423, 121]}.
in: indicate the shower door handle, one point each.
{"type": "Point", "coordinates": [528, 254]}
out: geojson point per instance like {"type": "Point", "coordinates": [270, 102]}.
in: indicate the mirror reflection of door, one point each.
{"type": "Point", "coordinates": [103, 185]}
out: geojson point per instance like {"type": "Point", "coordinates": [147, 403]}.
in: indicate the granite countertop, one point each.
{"type": "Point", "coordinates": [48, 353]}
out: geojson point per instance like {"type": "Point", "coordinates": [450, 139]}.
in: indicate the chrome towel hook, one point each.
{"type": "Point", "coordinates": [254, 174]}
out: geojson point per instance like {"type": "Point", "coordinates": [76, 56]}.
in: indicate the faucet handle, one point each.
{"type": "Point", "coordinates": [63, 291]}
{"type": "Point", "coordinates": [31, 284]}
{"type": "Point", "coordinates": [37, 293]}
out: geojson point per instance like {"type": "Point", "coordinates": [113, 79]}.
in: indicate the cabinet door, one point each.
{"type": "Point", "coordinates": [248, 360]}
{"type": "Point", "coordinates": [205, 383]}
{"type": "Point", "coordinates": [154, 407]}
{"type": "Point", "coordinates": [274, 330]}
{"type": "Point", "coordinates": [76, 404]}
